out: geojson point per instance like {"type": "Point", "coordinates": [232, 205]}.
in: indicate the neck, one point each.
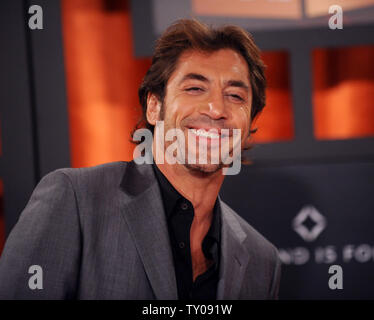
{"type": "Point", "coordinates": [198, 187]}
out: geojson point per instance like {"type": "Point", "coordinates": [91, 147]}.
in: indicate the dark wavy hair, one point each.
{"type": "Point", "coordinates": [186, 34]}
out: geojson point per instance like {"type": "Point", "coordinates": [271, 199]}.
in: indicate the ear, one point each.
{"type": "Point", "coordinates": [153, 108]}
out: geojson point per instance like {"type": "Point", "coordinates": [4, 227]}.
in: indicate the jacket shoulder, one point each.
{"type": "Point", "coordinates": [100, 176]}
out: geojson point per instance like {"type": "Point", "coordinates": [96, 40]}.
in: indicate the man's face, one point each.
{"type": "Point", "coordinates": [208, 91]}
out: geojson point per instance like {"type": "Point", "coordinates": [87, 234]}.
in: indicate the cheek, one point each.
{"type": "Point", "coordinates": [177, 109]}
{"type": "Point", "coordinates": [171, 114]}
{"type": "Point", "coordinates": [244, 119]}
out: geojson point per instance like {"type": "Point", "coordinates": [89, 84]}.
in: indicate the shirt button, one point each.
{"type": "Point", "coordinates": [184, 206]}
{"type": "Point", "coordinates": [181, 245]}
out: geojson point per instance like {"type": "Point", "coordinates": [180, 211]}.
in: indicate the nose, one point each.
{"type": "Point", "coordinates": [215, 107]}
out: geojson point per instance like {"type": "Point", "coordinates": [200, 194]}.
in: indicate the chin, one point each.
{"type": "Point", "coordinates": [204, 168]}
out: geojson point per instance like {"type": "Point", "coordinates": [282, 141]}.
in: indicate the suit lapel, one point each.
{"type": "Point", "coordinates": [144, 214]}
{"type": "Point", "coordinates": [234, 258]}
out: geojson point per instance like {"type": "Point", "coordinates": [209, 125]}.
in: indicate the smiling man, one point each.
{"type": "Point", "coordinates": [157, 231]}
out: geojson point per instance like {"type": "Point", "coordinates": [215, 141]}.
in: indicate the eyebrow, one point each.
{"type": "Point", "coordinates": [237, 83]}
{"type": "Point", "coordinates": [194, 76]}
{"type": "Point", "coordinates": [200, 77]}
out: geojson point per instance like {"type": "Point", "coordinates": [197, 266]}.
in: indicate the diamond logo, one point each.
{"type": "Point", "coordinates": [309, 215]}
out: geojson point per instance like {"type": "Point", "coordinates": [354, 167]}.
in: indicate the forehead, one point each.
{"type": "Point", "coordinates": [223, 63]}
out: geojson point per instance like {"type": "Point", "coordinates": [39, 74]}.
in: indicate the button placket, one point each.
{"type": "Point", "coordinates": [184, 206]}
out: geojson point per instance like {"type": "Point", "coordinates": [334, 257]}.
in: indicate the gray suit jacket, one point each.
{"type": "Point", "coordinates": [101, 233]}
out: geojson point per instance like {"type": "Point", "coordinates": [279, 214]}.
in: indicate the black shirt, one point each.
{"type": "Point", "coordinates": [179, 214]}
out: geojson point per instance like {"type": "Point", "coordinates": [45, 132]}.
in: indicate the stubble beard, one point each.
{"type": "Point", "coordinates": [204, 168]}
{"type": "Point", "coordinates": [199, 168]}
{"type": "Point", "coordinates": [195, 168]}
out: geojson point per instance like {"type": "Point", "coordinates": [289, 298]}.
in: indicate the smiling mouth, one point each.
{"type": "Point", "coordinates": [205, 134]}
{"type": "Point", "coordinates": [212, 133]}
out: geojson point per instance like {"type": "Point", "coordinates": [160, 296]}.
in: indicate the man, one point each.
{"type": "Point", "coordinates": [155, 231]}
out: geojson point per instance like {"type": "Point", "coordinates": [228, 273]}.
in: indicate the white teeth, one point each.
{"type": "Point", "coordinates": [204, 133]}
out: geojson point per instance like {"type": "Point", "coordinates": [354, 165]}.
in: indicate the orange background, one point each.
{"type": "Point", "coordinates": [343, 92]}
{"type": "Point", "coordinates": [102, 77]}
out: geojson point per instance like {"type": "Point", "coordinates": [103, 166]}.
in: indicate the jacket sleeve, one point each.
{"type": "Point", "coordinates": [47, 235]}
{"type": "Point", "coordinates": [275, 283]}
